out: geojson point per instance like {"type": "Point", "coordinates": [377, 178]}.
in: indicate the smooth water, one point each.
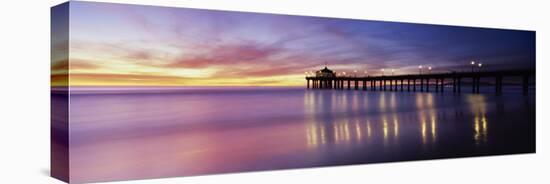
{"type": "Point", "coordinates": [118, 134]}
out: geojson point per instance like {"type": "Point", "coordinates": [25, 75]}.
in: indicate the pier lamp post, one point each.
{"type": "Point", "coordinates": [429, 69]}
{"type": "Point", "coordinates": [366, 73]}
{"type": "Point", "coordinates": [392, 70]}
{"type": "Point", "coordinates": [355, 73]}
{"type": "Point", "coordinates": [382, 72]}
{"type": "Point", "coordinates": [344, 73]}
{"type": "Point", "coordinates": [420, 69]}
{"type": "Point", "coordinates": [479, 66]}
{"type": "Point", "coordinates": [473, 63]}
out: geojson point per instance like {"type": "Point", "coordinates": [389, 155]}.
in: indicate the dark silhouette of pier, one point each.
{"type": "Point", "coordinates": [421, 82]}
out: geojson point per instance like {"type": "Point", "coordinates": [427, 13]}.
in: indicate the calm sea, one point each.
{"type": "Point", "coordinates": [129, 133]}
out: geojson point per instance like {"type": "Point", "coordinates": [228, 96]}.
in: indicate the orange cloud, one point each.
{"type": "Point", "coordinates": [59, 79]}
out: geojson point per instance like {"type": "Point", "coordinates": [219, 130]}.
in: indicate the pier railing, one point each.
{"type": "Point", "coordinates": [420, 82]}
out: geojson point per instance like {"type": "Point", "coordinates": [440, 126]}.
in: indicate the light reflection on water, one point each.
{"type": "Point", "coordinates": [387, 117]}
{"type": "Point", "coordinates": [127, 136]}
{"type": "Point", "coordinates": [414, 119]}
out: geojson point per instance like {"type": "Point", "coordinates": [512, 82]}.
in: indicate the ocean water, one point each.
{"type": "Point", "coordinates": [131, 133]}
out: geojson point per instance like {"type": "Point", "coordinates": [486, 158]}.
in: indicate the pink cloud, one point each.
{"type": "Point", "coordinates": [226, 55]}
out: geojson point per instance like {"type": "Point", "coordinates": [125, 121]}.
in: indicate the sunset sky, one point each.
{"type": "Point", "coordinates": [131, 45]}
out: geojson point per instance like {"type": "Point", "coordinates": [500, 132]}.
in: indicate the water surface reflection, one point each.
{"type": "Point", "coordinates": [413, 125]}
{"type": "Point", "coordinates": [126, 136]}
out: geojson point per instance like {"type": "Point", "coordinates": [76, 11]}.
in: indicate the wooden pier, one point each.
{"type": "Point", "coordinates": [421, 82]}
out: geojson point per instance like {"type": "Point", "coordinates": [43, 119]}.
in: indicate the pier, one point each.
{"type": "Point", "coordinates": [435, 82]}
